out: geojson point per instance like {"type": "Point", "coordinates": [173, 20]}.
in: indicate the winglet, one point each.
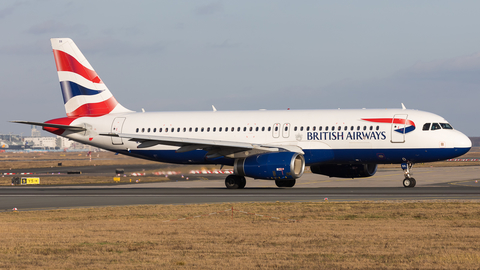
{"type": "Point", "coordinates": [403, 107]}
{"type": "Point", "coordinates": [214, 109]}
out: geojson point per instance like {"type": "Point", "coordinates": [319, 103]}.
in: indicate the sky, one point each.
{"type": "Point", "coordinates": [247, 55]}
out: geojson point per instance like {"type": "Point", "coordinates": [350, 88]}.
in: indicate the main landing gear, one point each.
{"type": "Point", "coordinates": [409, 181]}
{"type": "Point", "coordinates": [285, 183]}
{"type": "Point", "coordinates": [235, 181]}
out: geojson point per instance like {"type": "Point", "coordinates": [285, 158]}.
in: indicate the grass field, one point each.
{"type": "Point", "coordinates": [421, 235]}
{"type": "Point", "coordinates": [24, 160]}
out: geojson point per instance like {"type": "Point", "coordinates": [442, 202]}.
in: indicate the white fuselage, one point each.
{"type": "Point", "coordinates": [325, 136]}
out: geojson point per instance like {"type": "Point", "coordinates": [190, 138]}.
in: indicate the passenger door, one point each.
{"type": "Point", "coordinates": [398, 128]}
{"type": "Point", "coordinates": [117, 127]}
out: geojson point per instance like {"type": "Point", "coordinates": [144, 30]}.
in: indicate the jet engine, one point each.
{"type": "Point", "coordinates": [278, 165]}
{"type": "Point", "coordinates": [345, 170]}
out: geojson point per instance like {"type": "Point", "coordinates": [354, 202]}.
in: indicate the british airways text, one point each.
{"type": "Point", "coordinates": [332, 136]}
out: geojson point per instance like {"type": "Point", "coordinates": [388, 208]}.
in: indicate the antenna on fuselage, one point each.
{"type": "Point", "coordinates": [403, 107]}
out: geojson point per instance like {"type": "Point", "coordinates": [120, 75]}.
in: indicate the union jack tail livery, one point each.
{"type": "Point", "coordinates": [84, 93]}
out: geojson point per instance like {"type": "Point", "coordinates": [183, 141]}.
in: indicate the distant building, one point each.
{"type": "Point", "coordinates": [64, 143]}
{"type": "Point", "coordinates": [41, 142]}
{"type": "Point", "coordinates": [36, 132]}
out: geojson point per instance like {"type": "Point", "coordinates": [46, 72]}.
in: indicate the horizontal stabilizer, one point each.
{"type": "Point", "coordinates": [66, 127]}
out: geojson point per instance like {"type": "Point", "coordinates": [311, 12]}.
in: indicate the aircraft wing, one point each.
{"type": "Point", "coordinates": [215, 148]}
{"type": "Point", "coordinates": [66, 127]}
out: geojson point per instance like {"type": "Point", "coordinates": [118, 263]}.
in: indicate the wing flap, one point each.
{"type": "Point", "coordinates": [215, 148]}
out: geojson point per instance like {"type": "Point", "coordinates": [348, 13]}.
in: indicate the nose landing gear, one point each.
{"type": "Point", "coordinates": [409, 181]}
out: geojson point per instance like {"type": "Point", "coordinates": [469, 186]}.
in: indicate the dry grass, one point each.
{"type": "Point", "coordinates": [86, 179]}
{"type": "Point", "coordinates": [20, 160]}
{"type": "Point", "coordinates": [427, 235]}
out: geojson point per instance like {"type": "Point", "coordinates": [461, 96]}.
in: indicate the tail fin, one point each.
{"type": "Point", "coordinates": [84, 93]}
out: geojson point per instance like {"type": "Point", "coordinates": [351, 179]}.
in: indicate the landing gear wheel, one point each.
{"type": "Point", "coordinates": [235, 182]}
{"type": "Point", "coordinates": [409, 182]}
{"type": "Point", "coordinates": [285, 183]}
{"type": "Point", "coordinates": [241, 182]}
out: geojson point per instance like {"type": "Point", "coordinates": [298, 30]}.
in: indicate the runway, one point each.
{"type": "Point", "coordinates": [449, 183]}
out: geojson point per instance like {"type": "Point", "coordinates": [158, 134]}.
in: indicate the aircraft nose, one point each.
{"type": "Point", "coordinates": [462, 141]}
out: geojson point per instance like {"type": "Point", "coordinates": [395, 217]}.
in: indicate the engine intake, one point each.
{"type": "Point", "coordinates": [345, 170]}
{"type": "Point", "coordinates": [278, 165]}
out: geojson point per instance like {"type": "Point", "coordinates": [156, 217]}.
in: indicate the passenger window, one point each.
{"type": "Point", "coordinates": [276, 128]}
{"type": "Point", "coordinates": [339, 128]}
{"type": "Point", "coordinates": [189, 129]}
{"type": "Point", "coordinates": [436, 126]}
{"type": "Point", "coordinates": [172, 129]}
{"type": "Point", "coordinates": [166, 129]}
{"type": "Point", "coordinates": [326, 128]}
{"type": "Point", "coordinates": [148, 130]}
{"type": "Point", "coordinates": [286, 128]}
{"type": "Point", "coordinates": [426, 126]}
{"type": "Point", "coordinates": [314, 128]}
{"type": "Point", "coordinates": [301, 128]}
{"type": "Point", "coordinates": [251, 128]}
{"type": "Point", "coordinates": [263, 128]}
{"type": "Point", "coordinates": [352, 127]}
{"type": "Point", "coordinates": [202, 129]}
{"type": "Point", "coordinates": [137, 130]}
{"type": "Point", "coordinates": [345, 128]}
{"type": "Point", "coordinates": [160, 130]}
{"type": "Point", "coordinates": [378, 127]}
{"type": "Point", "coordinates": [364, 127]}
{"type": "Point", "coordinates": [155, 130]}
{"type": "Point", "coordinates": [333, 128]}
{"type": "Point", "coordinates": [358, 127]}
{"type": "Point", "coordinates": [320, 128]}
{"type": "Point", "coordinates": [446, 126]}
{"type": "Point", "coordinates": [269, 128]}
{"type": "Point", "coordinates": [244, 129]}
{"type": "Point", "coordinates": [295, 129]}
{"type": "Point", "coordinates": [178, 129]}
{"type": "Point", "coordinates": [220, 129]}
{"type": "Point", "coordinates": [184, 129]}
{"type": "Point", "coordinates": [208, 129]}
{"type": "Point", "coordinates": [196, 129]}
{"type": "Point", "coordinates": [238, 129]}
{"type": "Point", "coordinates": [308, 128]}
{"type": "Point", "coordinates": [371, 127]}
{"type": "Point", "coordinates": [256, 129]}
{"type": "Point", "coordinates": [233, 129]}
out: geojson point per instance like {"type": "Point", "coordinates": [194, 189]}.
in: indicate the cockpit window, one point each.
{"type": "Point", "coordinates": [436, 126]}
{"type": "Point", "coordinates": [426, 126]}
{"type": "Point", "coordinates": [446, 126]}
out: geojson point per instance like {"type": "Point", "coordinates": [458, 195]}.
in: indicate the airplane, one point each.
{"type": "Point", "coordinates": [261, 144]}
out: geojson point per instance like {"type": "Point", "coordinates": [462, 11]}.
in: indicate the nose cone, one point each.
{"type": "Point", "coordinates": [462, 141]}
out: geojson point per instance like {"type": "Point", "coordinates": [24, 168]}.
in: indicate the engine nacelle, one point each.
{"type": "Point", "coordinates": [278, 165]}
{"type": "Point", "coordinates": [345, 170]}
